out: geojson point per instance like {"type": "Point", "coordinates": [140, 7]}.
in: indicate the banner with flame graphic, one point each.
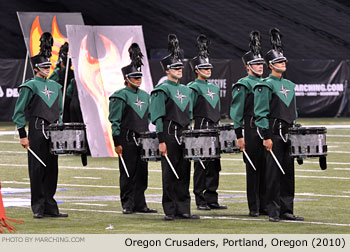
{"type": "Point", "coordinates": [98, 54]}
{"type": "Point", "coordinates": [33, 24]}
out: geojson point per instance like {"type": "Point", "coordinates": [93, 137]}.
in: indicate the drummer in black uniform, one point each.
{"type": "Point", "coordinates": [275, 111]}
{"type": "Point", "coordinates": [206, 114]}
{"type": "Point", "coordinates": [171, 112]}
{"type": "Point", "coordinates": [128, 113]}
{"type": "Point", "coordinates": [42, 99]}
{"type": "Point", "coordinates": [242, 114]}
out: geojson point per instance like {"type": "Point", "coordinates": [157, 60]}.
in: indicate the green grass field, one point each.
{"type": "Point", "coordinates": [91, 195]}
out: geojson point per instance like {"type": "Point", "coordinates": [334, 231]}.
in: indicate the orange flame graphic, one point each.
{"type": "Point", "coordinates": [34, 42]}
{"type": "Point", "coordinates": [101, 76]}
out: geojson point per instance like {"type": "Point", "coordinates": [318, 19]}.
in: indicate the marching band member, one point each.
{"type": "Point", "coordinates": [206, 114]}
{"type": "Point", "coordinates": [42, 99]}
{"type": "Point", "coordinates": [171, 111]}
{"type": "Point", "coordinates": [128, 109]}
{"type": "Point", "coordinates": [242, 114]}
{"type": "Point", "coordinates": [275, 111]}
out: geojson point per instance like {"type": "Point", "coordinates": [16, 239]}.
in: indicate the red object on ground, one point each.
{"type": "Point", "coordinates": [4, 221]}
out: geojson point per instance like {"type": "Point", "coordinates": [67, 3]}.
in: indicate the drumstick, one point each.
{"type": "Point", "coordinates": [250, 161]}
{"type": "Point", "coordinates": [279, 165]}
{"type": "Point", "coordinates": [200, 161]}
{"type": "Point", "coordinates": [171, 166]}
{"type": "Point", "coordinates": [126, 169]}
{"type": "Point", "coordinates": [36, 156]}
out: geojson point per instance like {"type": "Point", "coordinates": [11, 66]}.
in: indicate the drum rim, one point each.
{"type": "Point", "coordinates": [67, 125]}
{"type": "Point", "coordinates": [317, 130]}
{"type": "Point", "coordinates": [225, 125]}
{"type": "Point", "coordinates": [199, 131]}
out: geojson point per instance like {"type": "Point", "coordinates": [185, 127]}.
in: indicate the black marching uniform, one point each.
{"type": "Point", "coordinates": [206, 114]}
{"type": "Point", "coordinates": [42, 100]}
{"type": "Point", "coordinates": [171, 112]}
{"type": "Point", "coordinates": [275, 111]}
{"type": "Point", "coordinates": [242, 114]}
{"type": "Point", "coordinates": [129, 117]}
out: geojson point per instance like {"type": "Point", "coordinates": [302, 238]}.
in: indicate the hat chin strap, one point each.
{"type": "Point", "coordinates": [278, 68]}
{"type": "Point", "coordinates": [205, 75]}
{"type": "Point", "coordinates": [45, 74]}
{"type": "Point", "coordinates": [257, 73]}
{"type": "Point", "coordinates": [176, 76]}
{"type": "Point", "coordinates": [132, 83]}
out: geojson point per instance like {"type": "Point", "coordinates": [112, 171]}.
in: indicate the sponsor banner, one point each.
{"type": "Point", "coordinates": [98, 54]}
{"type": "Point", "coordinates": [321, 86]}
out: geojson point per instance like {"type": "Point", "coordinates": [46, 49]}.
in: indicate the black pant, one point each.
{"type": "Point", "coordinates": [279, 187]}
{"type": "Point", "coordinates": [43, 180]}
{"type": "Point", "coordinates": [132, 189]}
{"type": "Point", "coordinates": [176, 196]}
{"type": "Point", "coordinates": [255, 180]}
{"type": "Point", "coordinates": [206, 182]}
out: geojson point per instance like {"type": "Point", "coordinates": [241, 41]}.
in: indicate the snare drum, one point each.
{"type": "Point", "coordinates": [201, 144]}
{"type": "Point", "coordinates": [67, 138]}
{"type": "Point", "coordinates": [227, 138]}
{"type": "Point", "coordinates": [149, 143]}
{"type": "Point", "coordinates": [307, 141]}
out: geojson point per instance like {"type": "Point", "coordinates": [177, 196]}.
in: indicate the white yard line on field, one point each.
{"type": "Point", "coordinates": [86, 178]}
{"type": "Point", "coordinates": [159, 188]}
{"type": "Point", "coordinates": [158, 171]}
{"type": "Point", "coordinates": [89, 204]}
{"type": "Point", "coordinates": [214, 217]}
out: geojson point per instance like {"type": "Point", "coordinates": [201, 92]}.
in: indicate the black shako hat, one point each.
{"type": "Point", "coordinates": [42, 59]}
{"type": "Point", "coordinates": [254, 57]}
{"type": "Point", "coordinates": [173, 60]}
{"type": "Point", "coordinates": [201, 61]}
{"type": "Point", "coordinates": [133, 70]}
{"type": "Point", "coordinates": [275, 55]}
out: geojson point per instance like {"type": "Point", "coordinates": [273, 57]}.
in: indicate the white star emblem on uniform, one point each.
{"type": "Point", "coordinates": [180, 96]}
{"type": "Point", "coordinates": [284, 91]}
{"type": "Point", "coordinates": [210, 94]}
{"type": "Point", "coordinates": [139, 103]}
{"type": "Point", "coordinates": [47, 92]}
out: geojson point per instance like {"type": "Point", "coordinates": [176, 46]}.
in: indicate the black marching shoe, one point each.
{"type": "Point", "coordinates": [146, 210]}
{"type": "Point", "coordinates": [187, 216]}
{"type": "Point", "coordinates": [169, 217]}
{"type": "Point", "coordinates": [59, 215]}
{"type": "Point", "coordinates": [38, 216]}
{"type": "Point", "coordinates": [292, 217]}
{"type": "Point", "coordinates": [203, 207]}
{"type": "Point", "coordinates": [274, 219]}
{"type": "Point", "coordinates": [217, 206]}
{"type": "Point", "coordinates": [253, 214]}
{"type": "Point", "coordinates": [127, 211]}
{"type": "Point", "coordinates": [263, 212]}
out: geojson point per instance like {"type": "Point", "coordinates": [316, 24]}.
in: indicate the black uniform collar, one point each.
{"type": "Point", "coordinates": [37, 78]}
{"type": "Point", "coordinates": [131, 89]}
{"type": "Point", "coordinates": [253, 77]}
{"type": "Point", "coordinates": [275, 78]}
{"type": "Point", "coordinates": [201, 81]}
